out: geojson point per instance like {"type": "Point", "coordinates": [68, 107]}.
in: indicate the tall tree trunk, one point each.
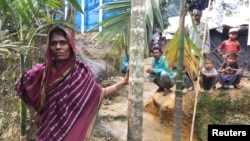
{"type": "Point", "coordinates": [136, 69]}
{"type": "Point", "coordinates": [178, 94]}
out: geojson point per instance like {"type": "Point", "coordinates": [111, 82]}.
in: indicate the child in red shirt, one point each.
{"type": "Point", "coordinates": [230, 45]}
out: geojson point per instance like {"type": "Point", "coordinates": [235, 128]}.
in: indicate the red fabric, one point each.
{"type": "Point", "coordinates": [229, 46]}
{"type": "Point", "coordinates": [74, 98]}
{"type": "Point", "coordinates": [29, 85]}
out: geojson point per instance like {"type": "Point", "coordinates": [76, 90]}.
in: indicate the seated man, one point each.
{"type": "Point", "coordinates": [159, 72]}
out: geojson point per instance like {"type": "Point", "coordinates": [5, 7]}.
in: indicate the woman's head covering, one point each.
{"type": "Point", "coordinates": [50, 79]}
{"type": "Point", "coordinates": [67, 34]}
{"type": "Point", "coordinates": [69, 37]}
{"type": "Point", "coordinates": [36, 82]}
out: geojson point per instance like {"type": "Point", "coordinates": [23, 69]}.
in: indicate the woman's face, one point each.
{"type": "Point", "coordinates": [59, 48]}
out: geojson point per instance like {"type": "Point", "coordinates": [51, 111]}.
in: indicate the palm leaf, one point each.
{"type": "Point", "coordinates": [119, 24]}
{"type": "Point", "coordinates": [118, 6]}
{"type": "Point", "coordinates": [4, 51]}
{"type": "Point", "coordinates": [76, 5]}
{"type": "Point", "coordinates": [31, 5]}
{"type": "Point", "coordinates": [117, 46]}
{"type": "Point", "coordinates": [157, 13]}
{"type": "Point", "coordinates": [6, 7]}
{"type": "Point", "coordinates": [21, 10]}
{"type": "Point", "coordinates": [150, 15]}
{"type": "Point", "coordinates": [190, 61]}
{"type": "Point", "coordinates": [170, 52]}
{"type": "Point", "coordinates": [111, 27]}
{"type": "Point", "coordinates": [53, 4]}
{"type": "Point", "coordinates": [192, 46]}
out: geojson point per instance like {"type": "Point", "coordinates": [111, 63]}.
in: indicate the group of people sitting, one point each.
{"type": "Point", "coordinates": [229, 73]}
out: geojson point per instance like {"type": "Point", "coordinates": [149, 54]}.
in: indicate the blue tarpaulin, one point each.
{"type": "Point", "coordinates": [91, 15]}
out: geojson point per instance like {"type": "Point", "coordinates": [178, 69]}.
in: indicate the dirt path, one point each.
{"type": "Point", "coordinates": [153, 130]}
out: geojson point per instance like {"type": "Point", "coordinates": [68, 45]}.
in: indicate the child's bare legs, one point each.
{"type": "Point", "coordinates": [214, 81]}
{"type": "Point", "coordinates": [237, 81]}
{"type": "Point", "coordinates": [187, 83]}
{"type": "Point", "coordinates": [201, 83]}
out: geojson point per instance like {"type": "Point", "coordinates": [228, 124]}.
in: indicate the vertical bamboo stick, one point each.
{"type": "Point", "coordinates": [197, 85]}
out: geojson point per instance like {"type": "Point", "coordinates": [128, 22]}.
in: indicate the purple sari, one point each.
{"type": "Point", "coordinates": [67, 100]}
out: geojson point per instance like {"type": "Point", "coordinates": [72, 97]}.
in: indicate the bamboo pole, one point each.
{"type": "Point", "coordinates": [205, 28]}
{"type": "Point", "coordinates": [196, 89]}
{"type": "Point", "coordinates": [23, 109]}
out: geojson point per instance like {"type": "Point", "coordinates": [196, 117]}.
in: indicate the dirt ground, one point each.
{"type": "Point", "coordinates": [110, 123]}
{"type": "Point", "coordinates": [112, 110]}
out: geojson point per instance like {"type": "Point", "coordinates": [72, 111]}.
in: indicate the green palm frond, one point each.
{"type": "Point", "coordinates": [119, 25]}
{"type": "Point", "coordinates": [13, 47]}
{"type": "Point", "coordinates": [27, 19]}
{"type": "Point", "coordinates": [157, 13]}
{"type": "Point", "coordinates": [150, 16]}
{"type": "Point", "coordinates": [154, 16]}
{"type": "Point", "coordinates": [123, 5]}
{"type": "Point", "coordinates": [4, 51]}
{"type": "Point", "coordinates": [112, 27]}
{"type": "Point", "coordinates": [6, 7]}
{"type": "Point", "coordinates": [170, 52]}
{"type": "Point", "coordinates": [53, 4]}
{"type": "Point", "coordinates": [190, 53]}
{"type": "Point", "coordinates": [118, 45]}
{"type": "Point", "coordinates": [192, 46]}
{"type": "Point", "coordinates": [7, 47]}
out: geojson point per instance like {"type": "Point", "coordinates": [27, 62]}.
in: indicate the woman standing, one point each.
{"type": "Point", "coordinates": [61, 94]}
